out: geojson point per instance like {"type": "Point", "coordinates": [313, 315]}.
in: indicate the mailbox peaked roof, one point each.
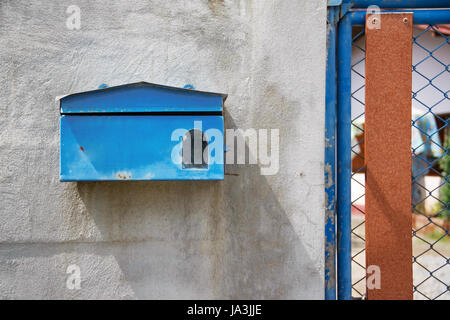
{"type": "Point", "coordinates": [142, 97]}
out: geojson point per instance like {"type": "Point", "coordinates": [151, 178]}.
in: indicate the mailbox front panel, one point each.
{"type": "Point", "coordinates": [136, 147]}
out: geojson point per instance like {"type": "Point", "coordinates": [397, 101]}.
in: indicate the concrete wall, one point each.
{"type": "Point", "coordinates": [250, 236]}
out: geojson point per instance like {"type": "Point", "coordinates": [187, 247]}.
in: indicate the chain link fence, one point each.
{"type": "Point", "coordinates": [431, 162]}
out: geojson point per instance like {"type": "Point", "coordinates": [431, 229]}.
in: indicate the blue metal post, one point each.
{"type": "Point", "coordinates": [394, 4]}
{"type": "Point", "coordinates": [420, 16]}
{"type": "Point", "coordinates": [344, 50]}
{"type": "Point", "coordinates": [330, 153]}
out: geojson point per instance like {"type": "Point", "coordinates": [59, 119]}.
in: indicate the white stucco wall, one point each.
{"type": "Point", "coordinates": [250, 236]}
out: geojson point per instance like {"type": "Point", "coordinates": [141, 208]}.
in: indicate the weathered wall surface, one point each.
{"type": "Point", "coordinates": [250, 236]}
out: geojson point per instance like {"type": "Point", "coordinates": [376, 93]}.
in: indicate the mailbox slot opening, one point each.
{"type": "Point", "coordinates": [194, 150]}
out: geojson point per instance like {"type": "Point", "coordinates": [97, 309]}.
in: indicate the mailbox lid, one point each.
{"type": "Point", "coordinates": [142, 97]}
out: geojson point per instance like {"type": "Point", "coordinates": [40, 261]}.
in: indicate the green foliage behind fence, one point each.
{"type": "Point", "coordinates": [445, 166]}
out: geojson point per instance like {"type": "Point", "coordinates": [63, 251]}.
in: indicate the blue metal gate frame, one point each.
{"type": "Point", "coordinates": [340, 20]}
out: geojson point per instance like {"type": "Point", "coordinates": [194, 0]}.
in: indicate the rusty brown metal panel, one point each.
{"type": "Point", "coordinates": [388, 155]}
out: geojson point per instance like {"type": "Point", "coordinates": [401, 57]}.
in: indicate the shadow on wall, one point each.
{"type": "Point", "coordinates": [200, 239]}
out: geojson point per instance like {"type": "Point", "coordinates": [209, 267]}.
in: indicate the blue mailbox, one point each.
{"type": "Point", "coordinates": [141, 131]}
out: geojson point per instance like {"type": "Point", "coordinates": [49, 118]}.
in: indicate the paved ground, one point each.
{"type": "Point", "coordinates": [431, 286]}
